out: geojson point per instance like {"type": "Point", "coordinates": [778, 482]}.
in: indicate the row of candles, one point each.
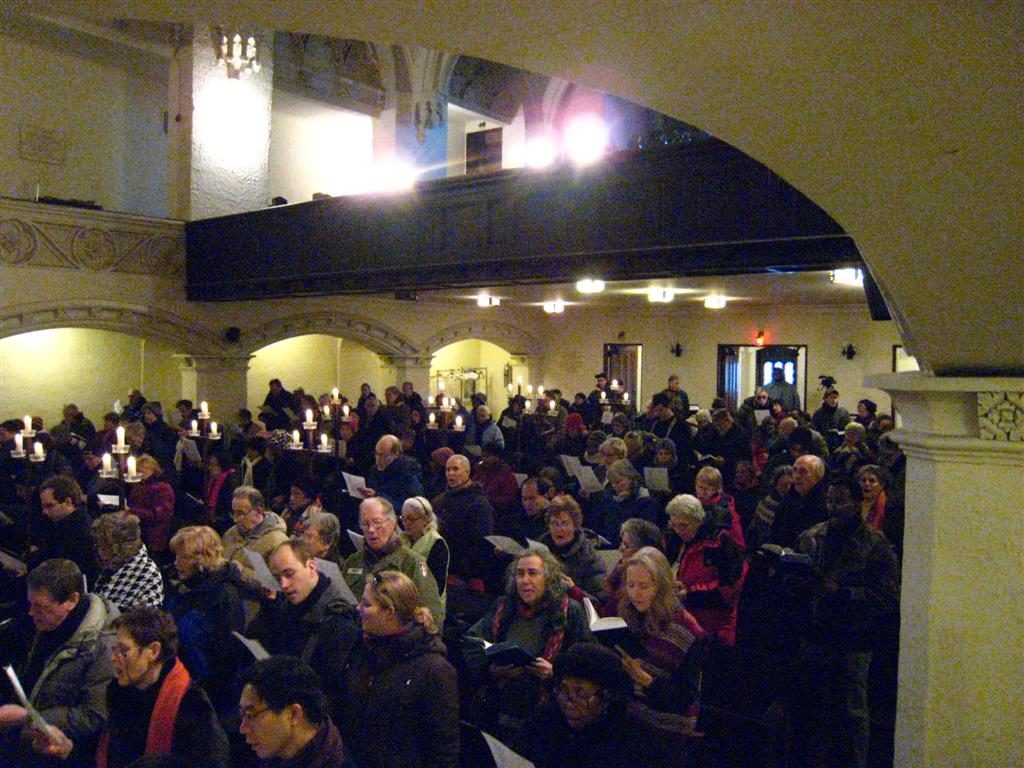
{"type": "Point", "coordinates": [107, 470]}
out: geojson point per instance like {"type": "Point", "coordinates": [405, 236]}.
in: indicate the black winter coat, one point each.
{"type": "Point", "coordinates": [400, 707]}
{"type": "Point", "coordinates": [466, 516]}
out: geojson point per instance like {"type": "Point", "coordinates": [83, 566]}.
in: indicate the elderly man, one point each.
{"type": "Point", "coordinates": [383, 550]}
{"type": "Point", "coordinates": [804, 505]}
{"type": "Point", "coordinates": [394, 476]}
{"type": "Point", "coordinates": [758, 404]}
{"type": "Point", "coordinates": [466, 517]}
{"type": "Point", "coordinates": [73, 424]}
{"type": "Point", "coordinates": [67, 669]}
{"type": "Point", "coordinates": [256, 528]}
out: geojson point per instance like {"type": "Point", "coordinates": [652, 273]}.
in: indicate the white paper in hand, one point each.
{"type": "Point", "coordinates": [331, 570]}
{"type": "Point", "coordinates": [12, 563]}
{"type": "Point", "coordinates": [503, 756]}
{"type": "Point", "coordinates": [656, 479]}
{"type": "Point", "coordinates": [588, 480]}
{"type": "Point", "coordinates": [255, 647]}
{"type": "Point", "coordinates": [571, 463]}
{"type": "Point", "coordinates": [521, 478]}
{"type": "Point", "coordinates": [357, 539]}
{"type": "Point", "coordinates": [354, 484]}
{"type": "Point", "coordinates": [34, 716]}
{"type": "Point", "coordinates": [505, 544]}
{"type": "Point", "coordinates": [108, 500]}
{"type": "Point", "coordinates": [263, 574]}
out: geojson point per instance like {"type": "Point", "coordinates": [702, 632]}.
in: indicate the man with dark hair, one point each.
{"type": "Point", "coordinates": [133, 411]}
{"type": "Point", "coordinates": [67, 669]}
{"type": "Point", "coordinates": [65, 530]}
{"type": "Point", "coordinates": [256, 467]}
{"type": "Point", "coordinates": [595, 406]}
{"type": "Point", "coordinates": [73, 424]}
{"type": "Point", "coordinates": [665, 424]}
{"type": "Point", "coordinates": [284, 716]}
{"type": "Point", "coordinates": [309, 617]}
{"type": "Point", "coordinates": [784, 393]}
{"type": "Point", "coordinates": [831, 418]}
{"type": "Point", "coordinates": [730, 445]}
{"type": "Point", "coordinates": [678, 400]}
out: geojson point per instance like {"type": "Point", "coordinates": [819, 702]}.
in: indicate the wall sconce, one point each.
{"type": "Point", "coordinates": [239, 56]}
{"type": "Point", "coordinates": [848, 352]}
{"type": "Point", "coordinates": [677, 349]}
{"type": "Point", "coordinates": [759, 339]}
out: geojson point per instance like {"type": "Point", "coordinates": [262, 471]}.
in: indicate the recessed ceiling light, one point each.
{"type": "Point", "coordinates": [849, 276]}
{"type": "Point", "coordinates": [586, 139]}
{"type": "Point", "coordinates": [660, 295]}
{"type": "Point", "coordinates": [555, 307]}
{"type": "Point", "coordinates": [590, 285]}
{"type": "Point", "coordinates": [485, 300]}
{"type": "Point", "coordinates": [714, 301]}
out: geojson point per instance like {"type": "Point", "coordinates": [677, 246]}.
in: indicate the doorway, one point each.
{"type": "Point", "coordinates": [742, 367]}
{"type": "Point", "coordinates": [622, 362]}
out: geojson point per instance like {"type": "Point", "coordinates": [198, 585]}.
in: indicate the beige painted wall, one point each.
{"type": "Point", "coordinates": [578, 337]}
{"type": "Point", "coordinates": [41, 371]}
{"type": "Point", "coordinates": [473, 353]}
{"type": "Point", "coordinates": [317, 363]}
{"type": "Point", "coordinates": [105, 101]}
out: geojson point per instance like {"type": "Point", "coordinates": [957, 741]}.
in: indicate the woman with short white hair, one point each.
{"type": "Point", "coordinates": [420, 534]}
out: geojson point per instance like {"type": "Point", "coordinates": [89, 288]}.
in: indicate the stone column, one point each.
{"type": "Point", "coordinates": [220, 380]}
{"type": "Point", "coordinates": [961, 667]}
{"type": "Point", "coordinates": [415, 369]}
{"type": "Point", "coordinates": [230, 170]}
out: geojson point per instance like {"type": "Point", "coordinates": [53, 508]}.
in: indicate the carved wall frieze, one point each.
{"type": "Point", "coordinates": [1001, 416]}
{"type": "Point", "coordinates": [509, 337]}
{"type": "Point", "coordinates": [373, 335]}
{"type": "Point", "coordinates": [37, 235]}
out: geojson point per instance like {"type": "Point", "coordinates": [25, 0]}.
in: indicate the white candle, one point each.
{"type": "Point", "coordinates": [540, 391]}
{"type": "Point", "coordinates": [19, 443]}
{"type": "Point", "coordinates": [120, 436]}
{"type": "Point", "coordinates": [510, 388]}
{"type": "Point", "coordinates": [38, 448]}
{"type": "Point", "coordinates": [28, 423]}
{"type": "Point", "coordinates": [295, 437]}
{"type": "Point", "coordinates": [440, 386]}
{"type": "Point", "coordinates": [529, 389]}
{"type": "Point", "coordinates": [551, 406]}
{"type": "Point", "coordinates": [108, 463]}
{"type": "Point", "coordinates": [432, 419]}
{"type": "Point", "coordinates": [344, 411]}
{"type": "Point", "coordinates": [625, 397]}
{"type": "Point", "coordinates": [446, 403]}
{"type": "Point", "coordinates": [323, 442]}
{"type": "Point", "coordinates": [335, 393]}
{"type": "Point", "coordinates": [195, 425]}
{"type": "Point", "coordinates": [213, 429]}
{"type": "Point", "coordinates": [615, 383]}
{"type": "Point", "coordinates": [131, 466]}
{"type": "Point", "coordinates": [458, 423]}
{"type": "Point", "coordinates": [603, 396]}
{"type": "Point", "coordinates": [309, 415]}
{"type": "Point", "coordinates": [519, 379]}
{"type": "Point", "coordinates": [204, 409]}
{"type": "Point", "coordinates": [327, 413]}
{"type": "Point", "coordinates": [526, 405]}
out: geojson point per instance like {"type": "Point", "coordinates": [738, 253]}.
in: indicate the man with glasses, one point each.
{"type": "Point", "coordinates": [284, 716]}
{"type": "Point", "coordinates": [383, 550]}
{"type": "Point", "coordinates": [256, 528]}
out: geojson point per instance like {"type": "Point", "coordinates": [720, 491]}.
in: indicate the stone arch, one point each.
{"type": "Point", "coordinates": [372, 334]}
{"type": "Point", "coordinates": [510, 337]}
{"type": "Point", "coordinates": [131, 319]}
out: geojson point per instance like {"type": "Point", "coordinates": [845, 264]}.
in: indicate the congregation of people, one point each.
{"type": "Point", "coordinates": [244, 601]}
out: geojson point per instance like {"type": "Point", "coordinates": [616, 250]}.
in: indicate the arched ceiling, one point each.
{"type": "Point", "coordinates": [904, 121]}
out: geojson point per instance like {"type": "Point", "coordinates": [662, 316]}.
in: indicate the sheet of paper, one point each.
{"type": "Point", "coordinates": [333, 572]}
{"type": "Point", "coordinates": [760, 415]}
{"type": "Point", "coordinates": [357, 539]}
{"type": "Point", "coordinates": [537, 545]}
{"type": "Point", "coordinates": [354, 483]}
{"type": "Point", "coordinates": [588, 480]}
{"type": "Point", "coordinates": [255, 647]}
{"type": "Point", "coordinates": [34, 715]}
{"type": "Point", "coordinates": [505, 544]}
{"type": "Point", "coordinates": [13, 563]}
{"type": "Point", "coordinates": [571, 464]}
{"type": "Point", "coordinates": [607, 416]}
{"type": "Point", "coordinates": [508, 423]}
{"type": "Point", "coordinates": [656, 479]}
{"type": "Point", "coordinates": [503, 756]}
{"type": "Point", "coordinates": [521, 478]}
{"type": "Point", "coordinates": [108, 500]}
{"type": "Point", "coordinates": [263, 574]}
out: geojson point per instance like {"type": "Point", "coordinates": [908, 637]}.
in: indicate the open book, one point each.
{"type": "Point", "coordinates": [784, 557]}
{"type": "Point", "coordinates": [512, 547]}
{"type": "Point", "coordinates": [611, 631]}
{"type": "Point", "coordinates": [506, 654]}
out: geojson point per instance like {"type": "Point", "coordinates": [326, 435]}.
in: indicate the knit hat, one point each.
{"type": "Point", "coordinates": [441, 455]}
{"type": "Point", "coordinates": [593, 662]}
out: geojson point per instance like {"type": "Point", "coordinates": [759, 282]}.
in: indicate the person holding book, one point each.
{"type": "Point", "coordinates": [669, 648]}
{"type": "Point", "coordinates": [583, 571]}
{"type": "Point", "coordinates": [538, 616]}
{"type": "Point", "coordinates": [623, 497]}
{"type": "Point", "coordinates": [400, 707]}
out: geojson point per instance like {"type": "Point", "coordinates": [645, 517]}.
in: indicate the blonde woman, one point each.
{"type": "Point", "coordinates": [207, 608]}
{"type": "Point", "coordinates": [401, 707]}
{"type": "Point", "coordinates": [666, 670]}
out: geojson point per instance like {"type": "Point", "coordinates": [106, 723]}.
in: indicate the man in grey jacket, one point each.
{"type": "Point", "coordinates": [68, 666]}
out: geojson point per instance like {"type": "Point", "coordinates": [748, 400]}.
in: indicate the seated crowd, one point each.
{"type": "Point", "coordinates": [241, 602]}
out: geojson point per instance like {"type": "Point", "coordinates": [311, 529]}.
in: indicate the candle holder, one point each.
{"type": "Point", "coordinates": [38, 458]}
{"type": "Point", "coordinates": [213, 435]}
{"type": "Point", "coordinates": [431, 422]}
{"type": "Point", "coordinates": [132, 479]}
{"type": "Point", "coordinates": [120, 450]}
{"type": "Point", "coordinates": [18, 454]}
{"type": "Point", "coordinates": [296, 447]}
{"type": "Point", "coordinates": [327, 447]}
{"type": "Point", "coordinates": [28, 434]}
{"type": "Point", "coordinates": [309, 426]}
{"type": "Point", "coordinates": [109, 474]}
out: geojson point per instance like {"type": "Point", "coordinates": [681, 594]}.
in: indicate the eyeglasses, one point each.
{"type": "Point", "coordinates": [578, 698]}
{"type": "Point", "coordinates": [250, 715]}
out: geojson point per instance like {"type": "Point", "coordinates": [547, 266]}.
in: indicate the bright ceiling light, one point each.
{"type": "Point", "coordinates": [849, 276]}
{"type": "Point", "coordinates": [660, 295]}
{"type": "Point", "coordinates": [484, 300]}
{"type": "Point", "coordinates": [589, 285]}
{"type": "Point", "coordinates": [714, 301]}
{"type": "Point", "coordinates": [555, 307]}
{"type": "Point", "coordinates": [586, 139]}
{"type": "Point", "coordinates": [540, 152]}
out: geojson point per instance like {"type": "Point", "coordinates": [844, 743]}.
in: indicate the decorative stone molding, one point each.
{"type": "Point", "coordinates": [134, 320]}
{"type": "Point", "coordinates": [374, 335]}
{"type": "Point", "coordinates": [509, 337]}
{"type": "Point", "coordinates": [1001, 416]}
{"type": "Point", "coordinates": [39, 235]}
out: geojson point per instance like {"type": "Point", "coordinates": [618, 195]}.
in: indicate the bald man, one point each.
{"type": "Point", "coordinates": [394, 476]}
{"type": "Point", "coordinates": [804, 505]}
{"type": "Point", "coordinates": [465, 516]}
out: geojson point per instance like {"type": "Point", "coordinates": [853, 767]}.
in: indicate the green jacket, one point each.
{"type": "Point", "coordinates": [404, 560]}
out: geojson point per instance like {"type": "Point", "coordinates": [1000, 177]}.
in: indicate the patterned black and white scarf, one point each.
{"type": "Point", "coordinates": [137, 582]}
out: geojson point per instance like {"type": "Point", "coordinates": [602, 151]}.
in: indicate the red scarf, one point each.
{"type": "Point", "coordinates": [161, 722]}
{"type": "Point", "coordinates": [876, 513]}
{"type": "Point", "coordinates": [214, 491]}
{"type": "Point", "coordinates": [500, 625]}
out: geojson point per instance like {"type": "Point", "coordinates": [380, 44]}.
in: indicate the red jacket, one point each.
{"type": "Point", "coordinates": [499, 482]}
{"type": "Point", "coordinates": [712, 569]}
{"type": "Point", "coordinates": [152, 501]}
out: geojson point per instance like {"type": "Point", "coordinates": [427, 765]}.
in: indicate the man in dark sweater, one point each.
{"type": "Point", "coordinates": [66, 528]}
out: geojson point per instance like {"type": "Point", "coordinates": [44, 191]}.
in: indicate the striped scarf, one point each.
{"type": "Point", "coordinates": [503, 619]}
